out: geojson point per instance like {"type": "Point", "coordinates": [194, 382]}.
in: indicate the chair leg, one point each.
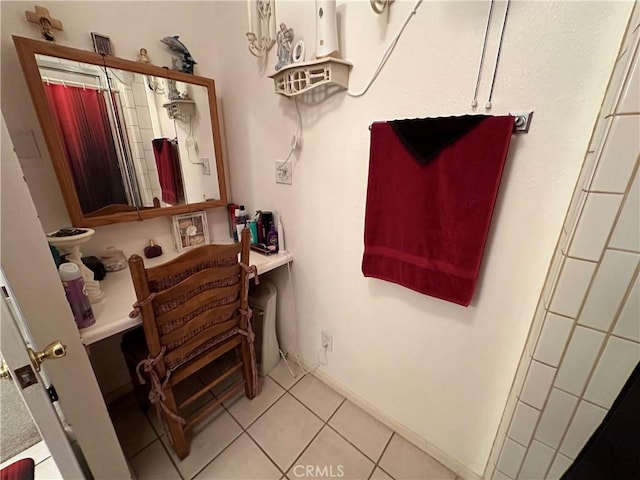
{"type": "Point", "coordinates": [246, 369]}
{"type": "Point", "coordinates": [176, 430]}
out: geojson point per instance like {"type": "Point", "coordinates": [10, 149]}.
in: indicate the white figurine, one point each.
{"type": "Point", "coordinates": [284, 37]}
{"type": "Point", "coordinates": [143, 57]}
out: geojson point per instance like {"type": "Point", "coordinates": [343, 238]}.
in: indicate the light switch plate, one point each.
{"type": "Point", "coordinates": [206, 168]}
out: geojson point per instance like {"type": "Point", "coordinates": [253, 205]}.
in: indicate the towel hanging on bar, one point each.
{"type": "Point", "coordinates": [426, 224]}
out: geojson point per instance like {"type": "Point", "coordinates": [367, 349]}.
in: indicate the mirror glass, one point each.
{"type": "Point", "coordinates": [127, 140]}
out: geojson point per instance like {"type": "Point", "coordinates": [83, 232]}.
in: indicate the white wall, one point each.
{"type": "Point", "coordinates": [442, 370]}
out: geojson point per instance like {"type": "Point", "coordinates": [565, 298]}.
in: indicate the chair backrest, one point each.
{"type": "Point", "coordinates": [193, 302]}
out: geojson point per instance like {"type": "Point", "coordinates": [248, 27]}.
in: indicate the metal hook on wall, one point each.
{"type": "Point", "coordinates": [379, 6]}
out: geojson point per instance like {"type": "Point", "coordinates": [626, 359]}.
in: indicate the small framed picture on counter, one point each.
{"type": "Point", "coordinates": [190, 230]}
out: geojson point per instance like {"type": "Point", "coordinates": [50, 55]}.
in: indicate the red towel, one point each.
{"type": "Point", "coordinates": [169, 171]}
{"type": "Point", "coordinates": [426, 224]}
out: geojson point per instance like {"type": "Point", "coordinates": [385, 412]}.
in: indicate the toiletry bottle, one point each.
{"type": "Point", "coordinates": [267, 223]}
{"type": "Point", "coordinates": [272, 239]}
{"type": "Point", "coordinates": [281, 235]}
{"type": "Point", "coordinates": [76, 294]}
{"type": "Point", "coordinates": [240, 222]}
{"type": "Point", "coordinates": [244, 214]}
{"type": "Point", "coordinates": [259, 226]}
{"type": "Point", "coordinates": [152, 250]}
{"type": "Point", "coordinates": [232, 207]}
{"type": "Point", "coordinates": [253, 229]}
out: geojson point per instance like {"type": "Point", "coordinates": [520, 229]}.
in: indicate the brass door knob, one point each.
{"type": "Point", "coordinates": [51, 352]}
{"type": "Point", "coordinates": [4, 371]}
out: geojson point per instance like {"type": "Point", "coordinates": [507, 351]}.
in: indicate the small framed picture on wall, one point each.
{"type": "Point", "coordinates": [190, 230]}
{"type": "Point", "coordinates": [101, 43]}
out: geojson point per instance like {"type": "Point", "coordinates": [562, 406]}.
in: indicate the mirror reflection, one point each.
{"type": "Point", "coordinates": [132, 141]}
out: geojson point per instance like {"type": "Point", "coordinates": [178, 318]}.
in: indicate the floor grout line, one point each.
{"type": "Point", "coordinates": [384, 450]}
{"type": "Point", "coordinates": [265, 452]}
{"type": "Point", "coordinates": [245, 430]}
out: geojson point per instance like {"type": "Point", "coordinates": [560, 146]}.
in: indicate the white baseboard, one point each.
{"type": "Point", "coordinates": [424, 445]}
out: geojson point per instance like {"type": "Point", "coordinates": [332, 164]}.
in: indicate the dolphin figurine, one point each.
{"type": "Point", "coordinates": [177, 46]}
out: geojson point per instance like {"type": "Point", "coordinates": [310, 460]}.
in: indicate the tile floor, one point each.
{"type": "Point", "coordinates": [297, 427]}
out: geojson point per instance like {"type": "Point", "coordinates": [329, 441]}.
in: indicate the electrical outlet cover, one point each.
{"type": "Point", "coordinates": [283, 172]}
{"type": "Point", "coordinates": [326, 340]}
{"type": "Point", "coordinates": [206, 169]}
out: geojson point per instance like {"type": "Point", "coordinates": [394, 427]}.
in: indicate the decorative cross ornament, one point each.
{"type": "Point", "coordinates": [47, 23]}
{"type": "Point", "coordinates": [261, 41]}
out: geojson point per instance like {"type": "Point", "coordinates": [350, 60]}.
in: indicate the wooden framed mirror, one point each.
{"type": "Point", "coordinates": [127, 140]}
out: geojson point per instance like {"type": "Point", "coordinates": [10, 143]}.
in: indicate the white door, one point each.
{"type": "Point", "coordinates": [14, 344]}
{"type": "Point", "coordinates": [29, 268]}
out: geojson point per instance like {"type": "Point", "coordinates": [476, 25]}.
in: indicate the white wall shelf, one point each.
{"type": "Point", "coordinates": [297, 78]}
{"type": "Point", "coordinates": [180, 108]}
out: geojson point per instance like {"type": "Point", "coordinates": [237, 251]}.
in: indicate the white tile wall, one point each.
{"type": "Point", "coordinates": [552, 278]}
{"type": "Point", "coordinates": [618, 156]}
{"type": "Point", "coordinates": [628, 324]}
{"type": "Point", "coordinates": [555, 417]}
{"type": "Point", "coordinates": [603, 123]}
{"type": "Point", "coordinates": [151, 163]}
{"type": "Point", "coordinates": [621, 70]}
{"type": "Point", "coordinates": [511, 458]}
{"type": "Point", "coordinates": [633, 32]}
{"type": "Point", "coordinates": [577, 362]}
{"type": "Point", "coordinates": [630, 100]}
{"type": "Point", "coordinates": [616, 364]}
{"type": "Point", "coordinates": [136, 149]}
{"type": "Point", "coordinates": [536, 327]}
{"type": "Point", "coordinates": [537, 384]}
{"type": "Point", "coordinates": [626, 234]}
{"type": "Point", "coordinates": [553, 339]}
{"type": "Point", "coordinates": [617, 81]}
{"type": "Point", "coordinates": [577, 204]}
{"type": "Point", "coordinates": [536, 462]}
{"type": "Point", "coordinates": [563, 243]}
{"type": "Point", "coordinates": [498, 475]}
{"type": "Point", "coordinates": [147, 136]}
{"type": "Point", "coordinates": [584, 423]}
{"type": "Point", "coordinates": [131, 118]}
{"type": "Point", "coordinates": [597, 218]}
{"type": "Point", "coordinates": [128, 96]}
{"type": "Point", "coordinates": [572, 286]}
{"type": "Point", "coordinates": [609, 288]}
{"type": "Point", "coordinates": [524, 423]}
{"type": "Point", "coordinates": [144, 117]}
{"type": "Point", "coordinates": [592, 361]}
{"type": "Point", "coordinates": [135, 134]}
{"type": "Point", "coordinates": [558, 467]}
{"type": "Point", "coordinates": [139, 94]}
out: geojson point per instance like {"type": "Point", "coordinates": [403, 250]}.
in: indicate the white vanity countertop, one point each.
{"type": "Point", "coordinates": [112, 313]}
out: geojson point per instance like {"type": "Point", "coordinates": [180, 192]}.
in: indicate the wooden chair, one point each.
{"type": "Point", "coordinates": [194, 310]}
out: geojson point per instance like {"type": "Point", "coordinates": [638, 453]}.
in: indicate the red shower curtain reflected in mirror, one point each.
{"type": "Point", "coordinates": [83, 121]}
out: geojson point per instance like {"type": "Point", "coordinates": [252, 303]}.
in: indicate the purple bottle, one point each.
{"type": "Point", "coordinates": [76, 294]}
